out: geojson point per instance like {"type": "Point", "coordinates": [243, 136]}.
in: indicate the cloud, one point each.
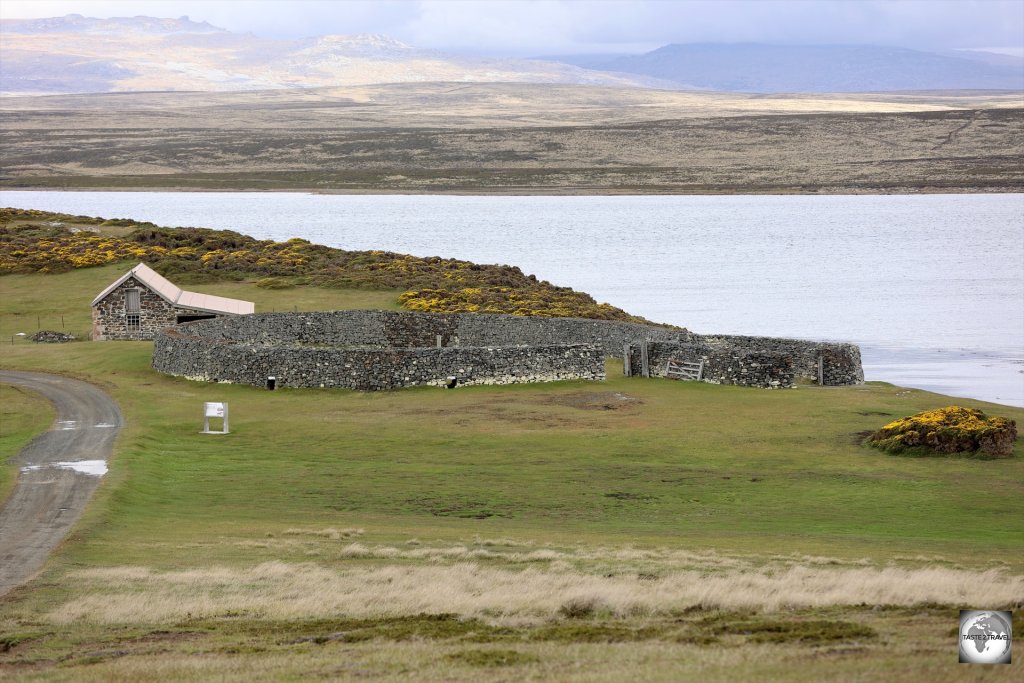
{"type": "Point", "coordinates": [522, 27]}
{"type": "Point", "coordinates": [594, 25]}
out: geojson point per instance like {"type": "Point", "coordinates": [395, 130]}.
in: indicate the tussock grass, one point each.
{"type": "Point", "coordinates": [331, 533]}
{"type": "Point", "coordinates": [490, 658]}
{"type": "Point", "coordinates": [279, 590]}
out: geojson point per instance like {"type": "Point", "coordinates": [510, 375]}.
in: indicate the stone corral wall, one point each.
{"type": "Point", "coordinates": [842, 363]}
{"type": "Point", "coordinates": [389, 350]}
{"type": "Point", "coordinates": [767, 362]}
{"type": "Point", "coordinates": [294, 365]}
{"type": "Point", "coordinates": [372, 350]}
{"type": "Point", "coordinates": [722, 365]}
{"type": "Point", "coordinates": [406, 329]}
{"type": "Point", "coordinates": [608, 335]}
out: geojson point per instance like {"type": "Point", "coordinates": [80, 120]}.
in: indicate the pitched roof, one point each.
{"type": "Point", "coordinates": [175, 295]}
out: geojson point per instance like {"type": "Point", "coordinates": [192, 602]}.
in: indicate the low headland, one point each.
{"type": "Point", "coordinates": [633, 528]}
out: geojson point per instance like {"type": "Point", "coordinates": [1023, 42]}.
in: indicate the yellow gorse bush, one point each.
{"type": "Point", "coordinates": [953, 429]}
{"type": "Point", "coordinates": [38, 242]}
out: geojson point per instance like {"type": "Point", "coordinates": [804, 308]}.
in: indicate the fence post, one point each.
{"type": "Point", "coordinates": [645, 365]}
{"type": "Point", "coordinates": [626, 351]}
{"type": "Point", "coordinates": [821, 371]}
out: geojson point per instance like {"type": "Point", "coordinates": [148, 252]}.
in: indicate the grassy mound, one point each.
{"type": "Point", "coordinates": [42, 242]}
{"type": "Point", "coordinates": [948, 431]}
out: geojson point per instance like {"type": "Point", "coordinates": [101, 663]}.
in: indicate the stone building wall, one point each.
{"type": "Point", "coordinates": [109, 317]}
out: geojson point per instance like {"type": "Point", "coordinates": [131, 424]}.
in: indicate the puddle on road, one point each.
{"type": "Point", "coordinates": [65, 425]}
{"type": "Point", "coordinates": [95, 468]}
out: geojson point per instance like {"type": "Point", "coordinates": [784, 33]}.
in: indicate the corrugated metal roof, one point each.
{"type": "Point", "coordinates": [218, 304]}
{"type": "Point", "coordinates": [177, 296]}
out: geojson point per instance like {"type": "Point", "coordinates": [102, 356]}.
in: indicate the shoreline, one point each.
{"type": "Point", "coordinates": [971, 373]}
{"type": "Point", "coordinates": [538, 191]}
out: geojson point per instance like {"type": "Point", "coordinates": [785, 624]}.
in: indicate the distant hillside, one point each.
{"type": "Point", "coordinates": [755, 67]}
{"type": "Point", "coordinates": [76, 23]}
{"type": "Point", "coordinates": [76, 54]}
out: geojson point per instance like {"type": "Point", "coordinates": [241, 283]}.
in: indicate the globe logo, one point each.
{"type": "Point", "coordinates": [985, 637]}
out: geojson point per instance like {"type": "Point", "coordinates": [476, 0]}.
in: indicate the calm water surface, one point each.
{"type": "Point", "coordinates": [931, 286]}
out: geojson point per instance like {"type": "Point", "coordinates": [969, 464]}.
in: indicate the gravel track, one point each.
{"type": "Point", "coordinates": [59, 470]}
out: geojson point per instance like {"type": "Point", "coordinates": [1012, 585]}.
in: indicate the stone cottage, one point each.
{"type": "Point", "coordinates": [141, 302]}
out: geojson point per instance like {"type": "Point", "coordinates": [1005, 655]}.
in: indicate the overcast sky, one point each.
{"type": "Point", "coordinates": [537, 27]}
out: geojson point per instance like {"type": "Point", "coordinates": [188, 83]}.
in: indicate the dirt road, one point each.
{"type": "Point", "coordinates": [59, 470]}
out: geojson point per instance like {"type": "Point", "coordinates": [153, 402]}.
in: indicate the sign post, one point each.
{"type": "Point", "coordinates": [214, 410]}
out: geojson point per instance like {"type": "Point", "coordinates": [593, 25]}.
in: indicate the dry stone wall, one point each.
{"type": "Point", "coordinates": [370, 369]}
{"type": "Point", "coordinates": [407, 329]}
{"type": "Point", "coordinates": [372, 350]}
{"type": "Point", "coordinates": [388, 350]}
{"type": "Point", "coordinates": [766, 362]}
{"type": "Point", "coordinates": [720, 365]}
{"type": "Point", "coordinates": [841, 362]}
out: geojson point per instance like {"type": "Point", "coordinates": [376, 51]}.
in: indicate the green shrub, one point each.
{"type": "Point", "coordinates": [274, 283]}
{"type": "Point", "coordinates": [948, 431]}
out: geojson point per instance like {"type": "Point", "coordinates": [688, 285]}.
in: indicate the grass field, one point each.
{"type": "Point", "coordinates": [22, 416]}
{"type": "Point", "coordinates": [510, 138]}
{"type": "Point", "coordinates": [626, 530]}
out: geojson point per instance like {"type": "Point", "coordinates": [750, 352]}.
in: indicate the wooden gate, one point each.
{"type": "Point", "coordinates": [677, 369]}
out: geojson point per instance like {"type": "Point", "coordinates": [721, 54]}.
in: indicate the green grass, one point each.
{"type": "Point", "coordinates": [684, 466]}
{"type": "Point", "coordinates": [23, 415]}
{"type": "Point", "coordinates": [29, 303]}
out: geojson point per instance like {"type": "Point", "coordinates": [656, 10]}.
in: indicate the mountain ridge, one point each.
{"type": "Point", "coordinates": [768, 68]}
{"type": "Point", "coordinates": [77, 23]}
{"type": "Point", "coordinates": [76, 54]}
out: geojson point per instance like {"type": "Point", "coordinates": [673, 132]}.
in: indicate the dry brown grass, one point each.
{"type": "Point", "coordinates": [331, 533]}
{"type": "Point", "coordinates": [279, 590]}
{"type": "Point", "coordinates": [432, 661]}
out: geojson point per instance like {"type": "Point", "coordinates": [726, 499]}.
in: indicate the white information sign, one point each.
{"type": "Point", "coordinates": [215, 410]}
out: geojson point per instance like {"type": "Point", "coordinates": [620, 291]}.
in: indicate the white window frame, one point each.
{"type": "Point", "coordinates": [133, 318]}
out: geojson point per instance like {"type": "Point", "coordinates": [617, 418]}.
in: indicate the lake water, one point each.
{"type": "Point", "coordinates": [931, 286]}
